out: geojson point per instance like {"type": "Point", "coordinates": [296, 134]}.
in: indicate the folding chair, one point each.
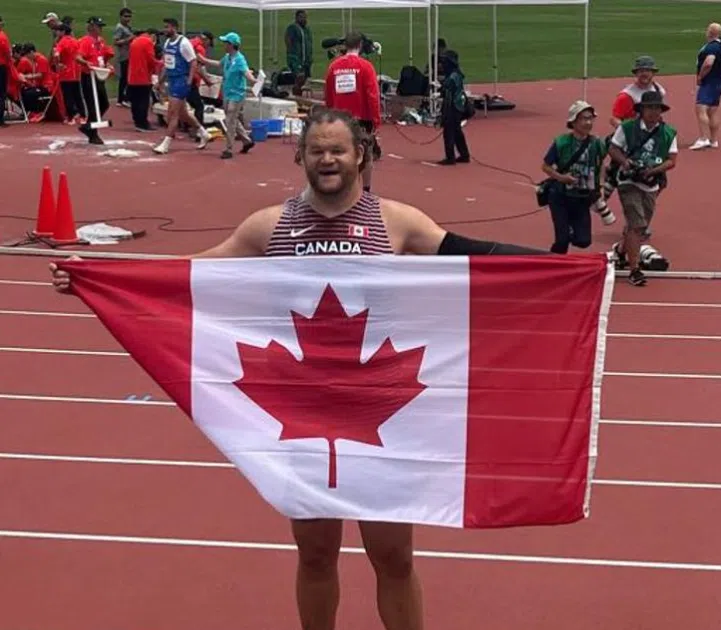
{"type": "Point", "coordinates": [15, 112]}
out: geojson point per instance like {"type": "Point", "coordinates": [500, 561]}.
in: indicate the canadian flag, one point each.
{"type": "Point", "coordinates": [454, 391]}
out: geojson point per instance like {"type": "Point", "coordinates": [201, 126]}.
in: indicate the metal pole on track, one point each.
{"type": "Point", "coordinates": [495, 49]}
{"type": "Point", "coordinates": [689, 274]}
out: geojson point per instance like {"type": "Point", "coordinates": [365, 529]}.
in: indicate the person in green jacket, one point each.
{"type": "Point", "coordinates": [299, 50]}
{"type": "Point", "coordinates": [645, 148]}
{"type": "Point", "coordinates": [452, 110]}
{"type": "Point", "coordinates": [574, 163]}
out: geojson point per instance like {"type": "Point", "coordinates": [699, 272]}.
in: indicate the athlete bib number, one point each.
{"type": "Point", "coordinates": [345, 83]}
{"type": "Point", "coordinates": [169, 61]}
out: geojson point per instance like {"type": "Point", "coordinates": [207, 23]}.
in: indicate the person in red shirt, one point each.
{"type": "Point", "coordinates": [65, 57]}
{"type": "Point", "coordinates": [351, 85]}
{"type": "Point", "coordinates": [195, 100]}
{"type": "Point", "coordinates": [142, 66]}
{"type": "Point", "coordinates": [93, 52]}
{"type": "Point", "coordinates": [34, 68]}
{"type": "Point", "coordinates": [6, 69]}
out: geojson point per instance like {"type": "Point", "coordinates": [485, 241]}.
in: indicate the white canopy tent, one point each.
{"type": "Point", "coordinates": [496, 3]}
{"type": "Point", "coordinates": [275, 5]}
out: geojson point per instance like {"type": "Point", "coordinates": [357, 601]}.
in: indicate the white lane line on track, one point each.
{"type": "Point", "coordinates": [46, 314]}
{"type": "Point", "coordinates": [129, 461]}
{"type": "Point", "coordinates": [26, 283]}
{"type": "Point", "coordinates": [89, 400]}
{"type": "Point", "coordinates": [108, 353]}
{"type": "Point", "coordinates": [166, 403]}
{"type": "Point", "coordinates": [435, 555]}
{"type": "Point", "coordinates": [669, 304]}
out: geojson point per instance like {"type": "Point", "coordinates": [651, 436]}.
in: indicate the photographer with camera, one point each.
{"type": "Point", "coordinates": [351, 85]}
{"type": "Point", "coordinates": [573, 164]}
{"type": "Point", "coordinates": [645, 148]}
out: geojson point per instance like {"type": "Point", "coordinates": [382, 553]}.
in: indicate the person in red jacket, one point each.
{"type": "Point", "coordinates": [351, 85]}
{"type": "Point", "coordinates": [142, 65]}
{"type": "Point", "coordinates": [93, 52]}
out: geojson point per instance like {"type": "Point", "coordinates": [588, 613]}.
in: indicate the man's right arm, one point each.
{"type": "Point", "coordinates": [249, 239]}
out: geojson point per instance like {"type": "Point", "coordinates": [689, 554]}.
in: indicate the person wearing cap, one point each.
{"type": "Point", "coordinates": [708, 94]}
{"type": "Point", "coordinates": [179, 68]}
{"type": "Point", "coordinates": [236, 73]}
{"type": "Point", "coordinates": [122, 36]}
{"type": "Point", "coordinates": [574, 164]}
{"type": "Point", "coordinates": [645, 148]}
{"type": "Point", "coordinates": [644, 71]}
{"type": "Point", "coordinates": [93, 52]}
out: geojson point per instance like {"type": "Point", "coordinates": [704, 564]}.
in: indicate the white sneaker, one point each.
{"type": "Point", "coordinates": [701, 143]}
{"type": "Point", "coordinates": [205, 137]}
{"type": "Point", "coordinates": [714, 144]}
{"type": "Point", "coordinates": [163, 147]}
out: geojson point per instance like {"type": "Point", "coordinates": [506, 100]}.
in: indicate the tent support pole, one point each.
{"type": "Point", "coordinates": [410, 36]}
{"type": "Point", "coordinates": [495, 49]}
{"type": "Point", "coordinates": [585, 48]}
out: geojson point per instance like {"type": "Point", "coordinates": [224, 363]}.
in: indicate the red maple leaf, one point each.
{"type": "Point", "coordinates": [329, 393]}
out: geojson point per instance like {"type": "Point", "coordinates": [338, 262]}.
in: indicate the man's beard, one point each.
{"type": "Point", "coordinates": [345, 181]}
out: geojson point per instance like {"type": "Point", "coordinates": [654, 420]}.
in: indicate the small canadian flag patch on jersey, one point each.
{"type": "Point", "coordinates": [359, 231]}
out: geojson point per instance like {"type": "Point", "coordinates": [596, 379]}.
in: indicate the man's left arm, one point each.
{"type": "Point", "coordinates": [372, 92]}
{"type": "Point", "coordinates": [419, 234]}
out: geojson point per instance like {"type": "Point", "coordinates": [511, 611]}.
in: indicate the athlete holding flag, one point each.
{"type": "Point", "coordinates": [180, 66]}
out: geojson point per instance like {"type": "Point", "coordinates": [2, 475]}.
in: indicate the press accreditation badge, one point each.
{"type": "Point", "coordinates": [169, 61]}
{"type": "Point", "coordinates": [345, 83]}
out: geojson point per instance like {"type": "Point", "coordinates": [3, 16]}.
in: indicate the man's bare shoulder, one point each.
{"type": "Point", "coordinates": [250, 238]}
{"type": "Point", "coordinates": [411, 228]}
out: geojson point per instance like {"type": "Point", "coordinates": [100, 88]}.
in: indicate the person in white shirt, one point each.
{"type": "Point", "coordinates": [645, 148]}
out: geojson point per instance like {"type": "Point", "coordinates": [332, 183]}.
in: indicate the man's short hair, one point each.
{"type": "Point", "coordinates": [353, 41]}
{"type": "Point", "coordinates": [172, 22]}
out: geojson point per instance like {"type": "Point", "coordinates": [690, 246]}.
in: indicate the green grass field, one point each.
{"type": "Point", "coordinates": [534, 42]}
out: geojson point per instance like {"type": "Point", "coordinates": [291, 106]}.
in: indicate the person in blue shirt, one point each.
{"type": "Point", "coordinates": [179, 68]}
{"type": "Point", "coordinates": [236, 75]}
{"type": "Point", "coordinates": [708, 95]}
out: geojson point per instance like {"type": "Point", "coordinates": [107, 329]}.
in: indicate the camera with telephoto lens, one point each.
{"type": "Point", "coordinates": [635, 171]}
{"type": "Point", "coordinates": [336, 46]}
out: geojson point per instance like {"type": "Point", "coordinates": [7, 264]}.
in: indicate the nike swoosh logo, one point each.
{"type": "Point", "coordinates": [297, 233]}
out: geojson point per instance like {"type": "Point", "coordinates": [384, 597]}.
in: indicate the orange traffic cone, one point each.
{"type": "Point", "coordinates": [45, 224]}
{"type": "Point", "coordinates": [64, 222]}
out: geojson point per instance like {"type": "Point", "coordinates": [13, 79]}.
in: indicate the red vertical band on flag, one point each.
{"type": "Point", "coordinates": [534, 363]}
{"type": "Point", "coordinates": [147, 306]}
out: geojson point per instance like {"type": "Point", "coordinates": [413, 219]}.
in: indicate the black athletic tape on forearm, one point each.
{"type": "Point", "coordinates": [457, 245]}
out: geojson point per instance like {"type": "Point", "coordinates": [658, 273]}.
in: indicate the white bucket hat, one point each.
{"type": "Point", "coordinates": [576, 108]}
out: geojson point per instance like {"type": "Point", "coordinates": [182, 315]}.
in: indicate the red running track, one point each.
{"type": "Point", "coordinates": [655, 505]}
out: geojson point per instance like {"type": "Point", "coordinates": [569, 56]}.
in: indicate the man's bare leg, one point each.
{"type": "Point", "coordinates": [317, 584]}
{"type": "Point", "coordinates": [398, 591]}
{"type": "Point", "coordinates": [174, 106]}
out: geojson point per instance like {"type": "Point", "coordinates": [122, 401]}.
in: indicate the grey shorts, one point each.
{"type": "Point", "coordinates": [638, 205]}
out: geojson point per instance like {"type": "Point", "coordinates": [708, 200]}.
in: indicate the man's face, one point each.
{"type": "Point", "coordinates": [331, 158]}
{"type": "Point", "coordinates": [584, 123]}
{"type": "Point", "coordinates": [651, 114]}
{"type": "Point", "coordinates": [125, 19]}
{"type": "Point", "coordinates": [302, 19]}
{"type": "Point", "coordinates": [170, 30]}
{"type": "Point", "coordinates": [644, 77]}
